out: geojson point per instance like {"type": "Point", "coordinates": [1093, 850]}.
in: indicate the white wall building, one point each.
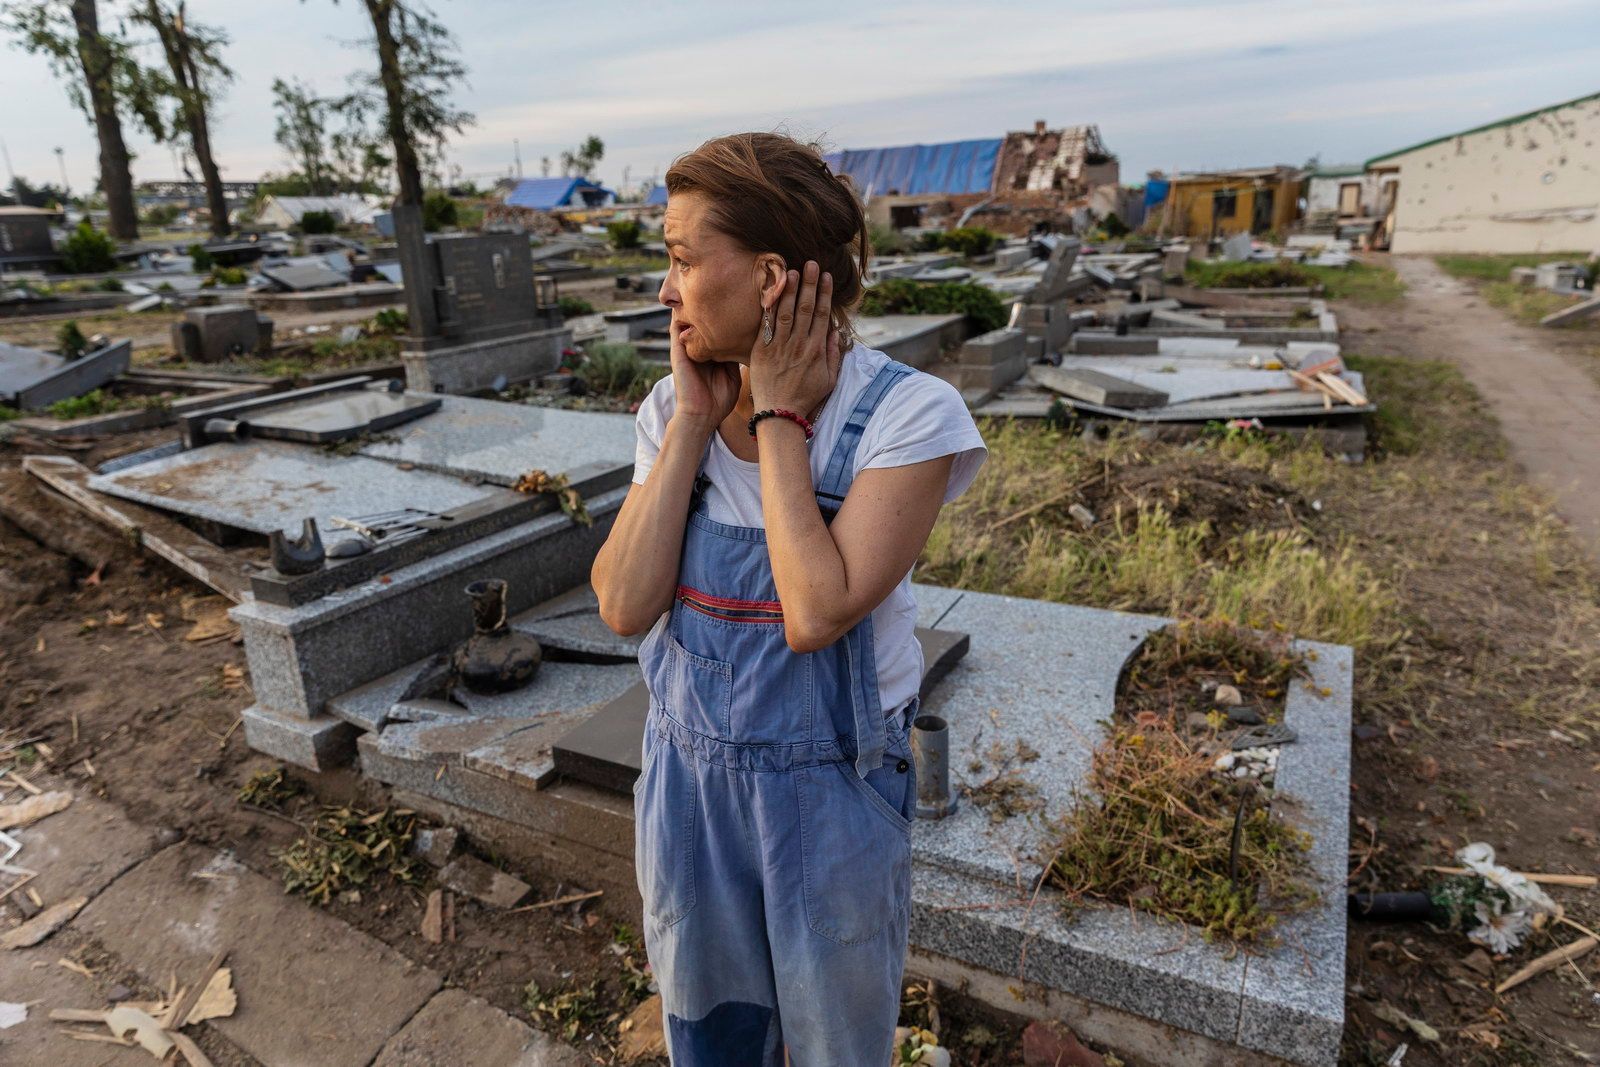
{"type": "Point", "coordinates": [1530, 183]}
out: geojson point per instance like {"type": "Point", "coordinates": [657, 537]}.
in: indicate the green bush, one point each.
{"type": "Point", "coordinates": [573, 306]}
{"type": "Point", "coordinates": [318, 222]}
{"type": "Point", "coordinates": [109, 285]}
{"type": "Point", "coordinates": [88, 251]}
{"type": "Point", "coordinates": [902, 296]}
{"type": "Point", "coordinates": [70, 341]}
{"type": "Point", "coordinates": [1114, 227]}
{"type": "Point", "coordinates": [1278, 274]}
{"type": "Point", "coordinates": [161, 215]}
{"type": "Point", "coordinates": [203, 260]}
{"type": "Point", "coordinates": [617, 370]}
{"type": "Point", "coordinates": [438, 212]}
{"type": "Point", "coordinates": [624, 234]}
{"type": "Point", "coordinates": [225, 276]}
{"type": "Point", "coordinates": [964, 240]}
{"type": "Point", "coordinates": [885, 241]}
{"type": "Point", "coordinates": [390, 321]}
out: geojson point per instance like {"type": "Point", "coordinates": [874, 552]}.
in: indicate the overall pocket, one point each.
{"type": "Point", "coordinates": [665, 831]}
{"type": "Point", "coordinates": [699, 690]}
{"type": "Point", "coordinates": [855, 854]}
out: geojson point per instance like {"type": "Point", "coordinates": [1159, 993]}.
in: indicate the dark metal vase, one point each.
{"type": "Point", "coordinates": [495, 659]}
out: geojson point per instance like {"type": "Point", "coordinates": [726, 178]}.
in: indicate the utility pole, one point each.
{"type": "Point", "coordinates": [516, 150]}
{"type": "Point", "coordinates": [61, 161]}
{"type": "Point", "coordinates": [4, 151]}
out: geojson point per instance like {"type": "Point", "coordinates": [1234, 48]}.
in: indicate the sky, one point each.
{"type": "Point", "coordinates": [1170, 83]}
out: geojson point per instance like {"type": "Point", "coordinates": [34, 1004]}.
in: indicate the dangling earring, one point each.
{"type": "Point", "coordinates": [766, 326]}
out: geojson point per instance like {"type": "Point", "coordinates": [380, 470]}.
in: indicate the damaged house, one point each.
{"type": "Point", "coordinates": [1528, 183]}
{"type": "Point", "coordinates": [1220, 203]}
{"type": "Point", "coordinates": [1013, 182]}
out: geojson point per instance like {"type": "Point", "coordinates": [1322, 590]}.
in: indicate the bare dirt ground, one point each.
{"type": "Point", "coordinates": [1533, 379]}
{"type": "Point", "coordinates": [1477, 722]}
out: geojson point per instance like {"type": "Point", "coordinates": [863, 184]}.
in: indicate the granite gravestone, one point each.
{"type": "Point", "coordinates": [477, 323]}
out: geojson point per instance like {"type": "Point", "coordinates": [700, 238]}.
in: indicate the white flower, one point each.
{"type": "Point", "coordinates": [1499, 932]}
{"type": "Point", "coordinates": [1476, 855]}
{"type": "Point", "coordinates": [1479, 858]}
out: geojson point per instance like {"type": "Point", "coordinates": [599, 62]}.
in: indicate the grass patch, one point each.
{"type": "Point", "coordinates": [1498, 268]}
{"type": "Point", "coordinates": [1178, 670]}
{"type": "Point", "coordinates": [1158, 830]}
{"type": "Point", "coordinates": [1427, 406]}
{"type": "Point", "coordinates": [100, 402]}
{"type": "Point", "coordinates": [1361, 283]}
{"type": "Point", "coordinates": [346, 848]}
{"type": "Point", "coordinates": [1528, 306]}
{"type": "Point", "coordinates": [1140, 556]}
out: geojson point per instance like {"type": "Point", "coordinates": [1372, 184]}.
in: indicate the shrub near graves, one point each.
{"type": "Point", "coordinates": [902, 296]}
{"type": "Point", "coordinates": [624, 234]}
{"type": "Point", "coordinates": [313, 222]}
{"type": "Point", "coordinates": [88, 251]}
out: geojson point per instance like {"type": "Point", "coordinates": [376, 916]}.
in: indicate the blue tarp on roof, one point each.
{"type": "Point", "coordinates": [917, 169]}
{"type": "Point", "coordinates": [657, 196]}
{"type": "Point", "coordinates": [1155, 192]}
{"type": "Point", "coordinates": [542, 194]}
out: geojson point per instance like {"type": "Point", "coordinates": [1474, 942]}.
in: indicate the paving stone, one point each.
{"type": "Point", "coordinates": [79, 851]}
{"type": "Point", "coordinates": [455, 1027]}
{"type": "Point", "coordinates": [436, 844]}
{"type": "Point", "coordinates": [299, 972]}
{"type": "Point", "coordinates": [474, 878]}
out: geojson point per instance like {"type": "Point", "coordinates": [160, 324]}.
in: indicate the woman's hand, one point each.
{"type": "Point", "coordinates": [798, 369]}
{"type": "Point", "coordinates": [706, 392]}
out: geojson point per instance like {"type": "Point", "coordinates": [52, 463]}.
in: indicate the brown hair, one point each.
{"type": "Point", "coordinates": [772, 193]}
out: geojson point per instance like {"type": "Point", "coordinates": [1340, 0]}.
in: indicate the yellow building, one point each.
{"type": "Point", "coordinates": [1222, 203]}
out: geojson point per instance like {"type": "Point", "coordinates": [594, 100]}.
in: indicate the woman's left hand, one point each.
{"type": "Point", "coordinates": [798, 369]}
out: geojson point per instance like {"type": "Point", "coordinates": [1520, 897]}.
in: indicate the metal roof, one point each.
{"type": "Point", "coordinates": [657, 196]}
{"type": "Point", "coordinates": [920, 169]}
{"type": "Point", "coordinates": [1486, 126]}
{"type": "Point", "coordinates": [543, 194]}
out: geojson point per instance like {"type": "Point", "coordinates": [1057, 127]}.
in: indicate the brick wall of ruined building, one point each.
{"type": "Point", "coordinates": [1070, 161]}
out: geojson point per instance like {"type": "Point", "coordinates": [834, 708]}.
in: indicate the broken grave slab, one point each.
{"type": "Point", "coordinates": [456, 1027]}
{"type": "Point", "coordinates": [472, 877]}
{"type": "Point", "coordinates": [290, 961]}
{"type": "Point", "coordinates": [1087, 383]}
{"type": "Point", "coordinates": [31, 380]}
{"type": "Point", "coordinates": [348, 414]}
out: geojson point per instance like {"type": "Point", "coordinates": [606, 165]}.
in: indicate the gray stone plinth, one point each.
{"type": "Point", "coordinates": [630, 324]}
{"type": "Point", "coordinates": [318, 744]}
{"type": "Point", "coordinates": [301, 657]}
{"type": "Point", "coordinates": [485, 365]}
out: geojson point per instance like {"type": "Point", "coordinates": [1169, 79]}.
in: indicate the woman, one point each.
{"type": "Point", "coordinates": [787, 479]}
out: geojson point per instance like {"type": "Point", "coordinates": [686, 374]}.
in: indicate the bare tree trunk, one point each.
{"type": "Point", "coordinates": [191, 95]}
{"type": "Point", "coordinates": [116, 177]}
{"type": "Point", "coordinates": [405, 153]}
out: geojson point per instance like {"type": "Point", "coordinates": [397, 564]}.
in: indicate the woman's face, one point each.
{"type": "Point", "coordinates": [714, 287]}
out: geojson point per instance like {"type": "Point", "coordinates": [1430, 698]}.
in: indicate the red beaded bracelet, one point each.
{"type": "Point", "coordinates": [782, 413]}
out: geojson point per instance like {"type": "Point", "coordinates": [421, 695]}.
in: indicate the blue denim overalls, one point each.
{"type": "Point", "coordinates": [773, 813]}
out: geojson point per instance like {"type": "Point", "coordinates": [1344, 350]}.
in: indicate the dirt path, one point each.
{"type": "Point", "coordinates": [1548, 407]}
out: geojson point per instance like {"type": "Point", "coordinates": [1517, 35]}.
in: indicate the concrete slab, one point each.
{"type": "Point", "coordinates": [342, 415]}
{"type": "Point", "coordinates": [32, 977]}
{"type": "Point", "coordinates": [272, 485]}
{"type": "Point", "coordinates": [30, 379]}
{"type": "Point", "coordinates": [498, 441]}
{"type": "Point", "coordinates": [915, 340]}
{"type": "Point", "coordinates": [81, 850]}
{"type": "Point", "coordinates": [456, 1027]}
{"type": "Point", "coordinates": [570, 625]}
{"type": "Point", "coordinates": [290, 961]}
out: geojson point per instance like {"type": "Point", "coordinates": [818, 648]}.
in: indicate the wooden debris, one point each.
{"type": "Point", "coordinates": [558, 901]}
{"type": "Point", "coordinates": [146, 1031]}
{"type": "Point", "coordinates": [24, 783]}
{"type": "Point", "coordinates": [217, 1000]}
{"type": "Point", "coordinates": [42, 925]}
{"type": "Point", "coordinates": [31, 810]}
{"type": "Point", "coordinates": [642, 1032]}
{"type": "Point", "coordinates": [191, 1051]}
{"type": "Point", "coordinates": [1548, 961]}
{"type": "Point", "coordinates": [433, 918]}
{"type": "Point", "coordinates": [1574, 881]}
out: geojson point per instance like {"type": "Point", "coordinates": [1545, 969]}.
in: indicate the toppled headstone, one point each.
{"type": "Point", "coordinates": [223, 332]}
{"type": "Point", "coordinates": [474, 878]}
{"type": "Point", "coordinates": [1097, 387]}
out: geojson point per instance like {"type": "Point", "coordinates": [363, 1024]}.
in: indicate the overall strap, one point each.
{"type": "Point", "coordinates": [840, 471]}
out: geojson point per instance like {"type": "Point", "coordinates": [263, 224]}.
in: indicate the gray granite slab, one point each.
{"type": "Point", "coordinates": [570, 625]}
{"type": "Point", "coordinates": [271, 485]}
{"type": "Point", "coordinates": [557, 686]}
{"type": "Point", "coordinates": [1040, 673]}
{"type": "Point", "coordinates": [343, 415]}
{"type": "Point", "coordinates": [497, 441]}
{"type": "Point", "coordinates": [1294, 996]}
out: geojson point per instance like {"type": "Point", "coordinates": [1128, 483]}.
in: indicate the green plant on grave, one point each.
{"type": "Point", "coordinates": [617, 369]}
{"type": "Point", "coordinates": [203, 259]}
{"type": "Point", "coordinates": [221, 275]}
{"type": "Point", "coordinates": [88, 251]}
{"type": "Point", "coordinates": [346, 848]}
{"type": "Point", "coordinates": [624, 234]}
{"type": "Point", "coordinates": [573, 306]}
{"type": "Point", "coordinates": [315, 222]}
{"type": "Point", "coordinates": [902, 296]}
{"type": "Point", "coordinates": [70, 341]}
{"type": "Point", "coordinates": [392, 321]}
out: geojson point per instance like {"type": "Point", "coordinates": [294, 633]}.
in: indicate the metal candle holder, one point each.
{"type": "Point", "coordinates": [930, 747]}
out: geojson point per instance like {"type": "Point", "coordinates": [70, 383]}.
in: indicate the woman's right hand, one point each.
{"type": "Point", "coordinates": [706, 392]}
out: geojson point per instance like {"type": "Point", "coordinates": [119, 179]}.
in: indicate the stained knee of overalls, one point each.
{"type": "Point", "coordinates": [852, 829]}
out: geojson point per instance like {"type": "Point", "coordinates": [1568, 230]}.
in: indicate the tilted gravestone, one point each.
{"type": "Point", "coordinates": [223, 332]}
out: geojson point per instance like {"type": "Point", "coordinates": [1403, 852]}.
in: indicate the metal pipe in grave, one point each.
{"type": "Point", "coordinates": [930, 747]}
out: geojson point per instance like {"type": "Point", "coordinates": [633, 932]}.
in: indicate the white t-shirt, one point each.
{"type": "Point", "coordinates": [920, 419]}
